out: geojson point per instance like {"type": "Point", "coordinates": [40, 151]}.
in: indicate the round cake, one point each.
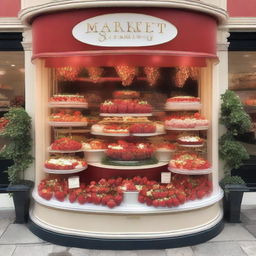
{"type": "Point", "coordinates": [183, 102]}
{"type": "Point", "coordinates": [126, 94]}
{"type": "Point", "coordinates": [190, 140]}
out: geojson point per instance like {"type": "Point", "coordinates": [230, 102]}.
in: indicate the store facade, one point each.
{"type": "Point", "coordinates": [157, 51]}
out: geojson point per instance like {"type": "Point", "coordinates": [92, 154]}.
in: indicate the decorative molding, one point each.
{"type": "Point", "coordinates": [28, 13]}
{"type": "Point", "coordinates": [27, 40]}
{"type": "Point", "coordinates": [11, 25]}
{"type": "Point", "coordinates": [241, 23]}
{"type": "Point", "coordinates": [222, 39]}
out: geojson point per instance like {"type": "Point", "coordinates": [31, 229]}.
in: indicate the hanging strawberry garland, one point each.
{"type": "Point", "coordinates": [183, 73]}
{"type": "Point", "coordinates": [67, 73]}
{"type": "Point", "coordinates": [95, 73]}
{"type": "Point", "coordinates": [152, 74]}
{"type": "Point", "coordinates": [126, 73]}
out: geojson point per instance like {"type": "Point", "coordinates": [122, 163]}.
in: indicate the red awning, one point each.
{"type": "Point", "coordinates": [194, 43]}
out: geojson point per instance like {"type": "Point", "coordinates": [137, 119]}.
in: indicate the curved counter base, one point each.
{"type": "Point", "coordinates": [126, 232]}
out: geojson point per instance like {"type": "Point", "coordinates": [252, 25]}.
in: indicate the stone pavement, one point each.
{"type": "Point", "coordinates": [235, 240]}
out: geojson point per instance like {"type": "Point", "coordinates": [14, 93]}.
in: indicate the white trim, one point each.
{"type": "Point", "coordinates": [27, 14]}
{"type": "Point", "coordinates": [126, 235]}
{"type": "Point", "coordinates": [241, 23]}
{"type": "Point", "coordinates": [11, 24]}
{"type": "Point", "coordinates": [125, 208]}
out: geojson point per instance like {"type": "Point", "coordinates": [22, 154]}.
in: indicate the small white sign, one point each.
{"type": "Point", "coordinates": [74, 182]}
{"type": "Point", "coordinates": [166, 177]}
{"type": "Point", "coordinates": [124, 29]}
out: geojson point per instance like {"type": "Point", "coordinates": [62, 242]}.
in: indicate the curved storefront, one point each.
{"type": "Point", "coordinates": [133, 87]}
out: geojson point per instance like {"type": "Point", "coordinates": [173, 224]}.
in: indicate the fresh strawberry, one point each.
{"type": "Point", "coordinates": [60, 196]}
{"type": "Point", "coordinates": [72, 197]}
{"type": "Point", "coordinates": [111, 203]}
{"type": "Point", "coordinates": [81, 199]}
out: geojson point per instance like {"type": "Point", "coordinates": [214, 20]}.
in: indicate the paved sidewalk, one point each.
{"type": "Point", "coordinates": [235, 240]}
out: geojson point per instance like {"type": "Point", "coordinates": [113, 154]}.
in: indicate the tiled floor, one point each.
{"type": "Point", "coordinates": [235, 240]}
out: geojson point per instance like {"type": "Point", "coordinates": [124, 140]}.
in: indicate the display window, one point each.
{"type": "Point", "coordinates": [12, 80]}
{"type": "Point", "coordinates": [125, 131]}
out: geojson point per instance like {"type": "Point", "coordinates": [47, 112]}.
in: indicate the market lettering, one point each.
{"type": "Point", "coordinates": [127, 27]}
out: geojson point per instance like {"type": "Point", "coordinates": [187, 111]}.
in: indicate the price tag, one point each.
{"type": "Point", "coordinates": [165, 177]}
{"type": "Point", "coordinates": [73, 182]}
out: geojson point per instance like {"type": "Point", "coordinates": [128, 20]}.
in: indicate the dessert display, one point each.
{"type": "Point", "coordinates": [124, 119]}
{"type": "Point", "coordinates": [186, 121]}
{"type": "Point", "coordinates": [164, 151]}
{"type": "Point", "coordinates": [94, 145]}
{"type": "Point", "coordinates": [73, 117]}
{"type": "Point", "coordinates": [126, 129]}
{"type": "Point", "coordinates": [186, 161]}
{"type": "Point", "coordinates": [94, 150]}
{"type": "Point", "coordinates": [190, 140]}
{"type": "Point", "coordinates": [116, 129]}
{"type": "Point", "coordinates": [250, 102]}
{"type": "Point", "coordinates": [120, 106]}
{"type": "Point", "coordinates": [142, 128]}
{"type": "Point", "coordinates": [71, 100]}
{"type": "Point", "coordinates": [165, 146]}
{"type": "Point", "coordinates": [125, 151]}
{"type": "Point", "coordinates": [110, 192]}
{"type": "Point", "coordinates": [64, 164]}
{"type": "Point", "coordinates": [183, 103]}
{"type": "Point", "coordinates": [126, 94]}
{"type": "Point", "coordinates": [65, 144]}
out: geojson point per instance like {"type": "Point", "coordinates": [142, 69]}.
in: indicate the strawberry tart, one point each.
{"type": "Point", "coordinates": [126, 94]}
{"type": "Point", "coordinates": [183, 103]}
{"type": "Point", "coordinates": [94, 150]}
{"type": "Point", "coordinates": [64, 164]}
{"type": "Point", "coordinates": [190, 140]}
{"type": "Point", "coordinates": [190, 162]}
{"type": "Point", "coordinates": [65, 144]}
{"type": "Point", "coordinates": [116, 129]}
{"type": "Point", "coordinates": [187, 121]}
{"type": "Point", "coordinates": [62, 100]}
{"type": "Point", "coordinates": [125, 151]}
{"type": "Point", "coordinates": [120, 106]}
{"type": "Point", "coordinates": [75, 117]}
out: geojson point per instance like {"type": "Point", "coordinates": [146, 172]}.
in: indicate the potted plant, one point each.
{"type": "Point", "coordinates": [18, 149]}
{"type": "Point", "coordinates": [233, 153]}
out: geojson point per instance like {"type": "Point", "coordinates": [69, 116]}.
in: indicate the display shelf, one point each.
{"type": "Point", "coordinates": [126, 114]}
{"type": "Point", "coordinates": [202, 128]}
{"type": "Point", "coordinates": [135, 168]}
{"type": "Point", "coordinates": [59, 130]}
{"type": "Point", "coordinates": [67, 105]}
{"type": "Point", "coordinates": [127, 134]}
{"type": "Point", "coordinates": [64, 151]}
{"type": "Point", "coordinates": [147, 134]}
{"type": "Point", "coordinates": [67, 124]}
{"type": "Point", "coordinates": [76, 170]}
{"type": "Point", "coordinates": [191, 146]}
{"type": "Point", "coordinates": [111, 134]}
{"type": "Point", "coordinates": [190, 172]}
{"type": "Point", "coordinates": [182, 107]}
{"type": "Point", "coordinates": [126, 208]}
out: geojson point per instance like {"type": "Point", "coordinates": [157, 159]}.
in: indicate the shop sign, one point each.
{"type": "Point", "coordinates": [124, 30]}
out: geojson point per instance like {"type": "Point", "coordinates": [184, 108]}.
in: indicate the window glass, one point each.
{"type": "Point", "coordinates": [12, 79]}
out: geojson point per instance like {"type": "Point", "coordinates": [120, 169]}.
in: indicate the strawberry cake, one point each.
{"type": "Point", "coordinates": [125, 151]}
{"type": "Point", "coordinates": [95, 145]}
{"type": "Point", "coordinates": [190, 140]}
{"type": "Point", "coordinates": [189, 161]}
{"type": "Point", "coordinates": [187, 121]}
{"type": "Point", "coordinates": [164, 151]}
{"type": "Point", "coordinates": [65, 144]}
{"type": "Point", "coordinates": [94, 150]}
{"type": "Point", "coordinates": [126, 94]}
{"type": "Point", "coordinates": [97, 128]}
{"type": "Point", "coordinates": [116, 129]}
{"type": "Point", "coordinates": [72, 98]}
{"type": "Point", "coordinates": [62, 116]}
{"type": "Point", "coordinates": [183, 102]}
{"type": "Point", "coordinates": [120, 106]}
{"type": "Point", "coordinates": [64, 164]}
